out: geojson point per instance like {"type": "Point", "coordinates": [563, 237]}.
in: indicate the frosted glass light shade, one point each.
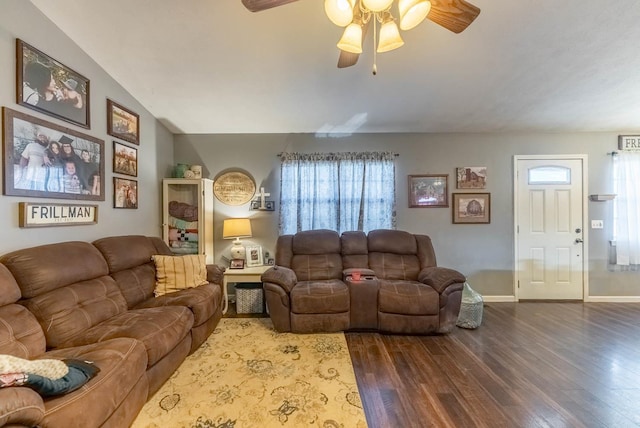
{"type": "Point", "coordinates": [351, 40]}
{"type": "Point", "coordinates": [377, 5]}
{"type": "Point", "coordinates": [412, 12]}
{"type": "Point", "coordinates": [389, 37]}
{"type": "Point", "coordinates": [340, 12]}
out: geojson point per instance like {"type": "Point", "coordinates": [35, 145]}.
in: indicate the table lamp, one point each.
{"type": "Point", "coordinates": [236, 228]}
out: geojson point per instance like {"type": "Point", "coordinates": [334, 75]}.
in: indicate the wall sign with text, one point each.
{"type": "Point", "coordinates": [629, 142]}
{"type": "Point", "coordinates": [41, 215]}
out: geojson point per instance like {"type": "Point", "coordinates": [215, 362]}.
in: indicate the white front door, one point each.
{"type": "Point", "coordinates": [550, 233]}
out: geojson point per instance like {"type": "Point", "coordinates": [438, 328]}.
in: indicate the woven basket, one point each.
{"type": "Point", "coordinates": [249, 298]}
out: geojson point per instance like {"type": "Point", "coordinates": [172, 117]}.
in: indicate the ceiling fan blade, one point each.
{"type": "Point", "coordinates": [454, 15]}
{"type": "Point", "coordinates": [258, 5]}
{"type": "Point", "coordinates": [348, 59]}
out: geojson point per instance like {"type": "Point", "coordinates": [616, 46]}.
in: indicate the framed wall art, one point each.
{"type": "Point", "coordinates": [50, 87]}
{"type": "Point", "coordinates": [45, 160]}
{"type": "Point", "coordinates": [427, 191]}
{"type": "Point", "coordinates": [471, 207]}
{"type": "Point", "coordinates": [125, 193]}
{"type": "Point", "coordinates": [471, 177]}
{"type": "Point", "coordinates": [125, 159]}
{"type": "Point", "coordinates": [122, 123]}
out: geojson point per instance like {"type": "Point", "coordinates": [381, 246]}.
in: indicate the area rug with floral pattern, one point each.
{"type": "Point", "coordinates": [248, 375]}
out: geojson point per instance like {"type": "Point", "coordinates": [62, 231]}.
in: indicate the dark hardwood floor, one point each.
{"type": "Point", "coordinates": [529, 364]}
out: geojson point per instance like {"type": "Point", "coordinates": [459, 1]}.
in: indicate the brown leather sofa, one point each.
{"type": "Point", "coordinates": [401, 289]}
{"type": "Point", "coordinates": [95, 301]}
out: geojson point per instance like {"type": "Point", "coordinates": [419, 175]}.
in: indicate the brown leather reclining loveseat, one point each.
{"type": "Point", "coordinates": [95, 302]}
{"type": "Point", "coordinates": [401, 289]}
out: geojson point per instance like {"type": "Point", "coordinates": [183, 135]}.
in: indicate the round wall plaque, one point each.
{"type": "Point", "coordinates": [234, 188]}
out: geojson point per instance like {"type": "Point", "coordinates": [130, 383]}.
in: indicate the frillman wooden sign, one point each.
{"type": "Point", "coordinates": [41, 215]}
{"type": "Point", "coordinates": [629, 142]}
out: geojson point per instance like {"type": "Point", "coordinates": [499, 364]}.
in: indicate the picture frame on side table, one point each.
{"type": "Point", "coordinates": [254, 256]}
{"type": "Point", "coordinates": [471, 208]}
{"type": "Point", "coordinates": [236, 264]}
{"type": "Point", "coordinates": [125, 159]}
{"type": "Point", "coordinates": [68, 98]}
{"type": "Point", "coordinates": [427, 191]}
{"type": "Point", "coordinates": [125, 193]}
{"type": "Point", "coordinates": [123, 123]}
{"type": "Point", "coordinates": [45, 160]}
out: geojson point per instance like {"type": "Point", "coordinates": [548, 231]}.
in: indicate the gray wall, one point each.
{"type": "Point", "coordinates": [20, 19]}
{"type": "Point", "coordinates": [484, 252]}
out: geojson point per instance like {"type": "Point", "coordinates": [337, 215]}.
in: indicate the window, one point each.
{"type": "Point", "coordinates": [337, 191]}
{"type": "Point", "coordinates": [627, 208]}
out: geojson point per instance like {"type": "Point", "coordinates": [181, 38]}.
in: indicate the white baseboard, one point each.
{"type": "Point", "coordinates": [613, 299]}
{"type": "Point", "coordinates": [499, 298]}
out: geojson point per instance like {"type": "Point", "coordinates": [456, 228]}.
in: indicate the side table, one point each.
{"type": "Point", "coordinates": [249, 274]}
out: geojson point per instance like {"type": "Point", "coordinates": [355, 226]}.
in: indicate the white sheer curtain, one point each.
{"type": "Point", "coordinates": [337, 191]}
{"type": "Point", "coordinates": [627, 207]}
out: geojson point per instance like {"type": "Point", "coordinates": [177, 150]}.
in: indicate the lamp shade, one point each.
{"type": "Point", "coordinates": [340, 12]}
{"type": "Point", "coordinates": [236, 228]}
{"type": "Point", "coordinates": [389, 37]}
{"type": "Point", "coordinates": [351, 40]}
{"type": "Point", "coordinates": [412, 12]}
{"type": "Point", "coordinates": [377, 5]}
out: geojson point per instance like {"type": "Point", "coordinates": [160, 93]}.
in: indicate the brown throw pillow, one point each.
{"type": "Point", "coordinates": [174, 273]}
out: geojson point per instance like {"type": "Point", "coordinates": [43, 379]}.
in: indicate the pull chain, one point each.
{"type": "Point", "coordinates": [375, 50]}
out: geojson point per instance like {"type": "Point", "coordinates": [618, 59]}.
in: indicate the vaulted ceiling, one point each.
{"type": "Point", "coordinates": [211, 66]}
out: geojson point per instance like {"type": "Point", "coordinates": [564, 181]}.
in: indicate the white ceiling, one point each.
{"type": "Point", "coordinates": [211, 66]}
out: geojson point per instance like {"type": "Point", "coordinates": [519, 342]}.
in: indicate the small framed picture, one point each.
{"type": "Point", "coordinates": [471, 177]}
{"type": "Point", "coordinates": [254, 256]}
{"type": "Point", "coordinates": [471, 208]}
{"type": "Point", "coordinates": [125, 193]}
{"type": "Point", "coordinates": [122, 123]}
{"type": "Point", "coordinates": [271, 262]}
{"type": "Point", "coordinates": [236, 264]}
{"type": "Point", "coordinates": [125, 159]}
{"type": "Point", "coordinates": [427, 191]}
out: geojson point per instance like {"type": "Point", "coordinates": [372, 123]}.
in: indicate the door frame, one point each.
{"type": "Point", "coordinates": [585, 217]}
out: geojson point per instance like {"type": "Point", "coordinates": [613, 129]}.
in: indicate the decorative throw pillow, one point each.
{"type": "Point", "coordinates": [174, 273]}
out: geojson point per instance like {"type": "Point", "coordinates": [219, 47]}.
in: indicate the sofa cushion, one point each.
{"type": "Point", "coordinates": [66, 313]}
{"type": "Point", "coordinates": [159, 329]}
{"type": "Point", "coordinates": [9, 290]}
{"type": "Point", "coordinates": [20, 333]}
{"type": "Point", "coordinates": [38, 270]}
{"type": "Point", "coordinates": [317, 267]}
{"type": "Point", "coordinates": [122, 364]}
{"type": "Point", "coordinates": [20, 407]}
{"type": "Point", "coordinates": [203, 301]}
{"type": "Point", "coordinates": [125, 252]}
{"type": "Point", "coordinates": [395, 266]}
{"type": "Point", "coordinates": [320, 297]}
{"type": "Point", "coordinates": [175, 273]}
{"type": "Point", "coordinates": [407, 298]}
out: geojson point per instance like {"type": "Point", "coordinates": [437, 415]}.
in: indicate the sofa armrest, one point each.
{"type": "Point", "coordinates": [282, 276]}
{"type": "Point", "coordinates": [20, 406]}
{"type": "Point", "coordinates": [440, 278]}
{"type": "Point", "coordinates": [215, 274]}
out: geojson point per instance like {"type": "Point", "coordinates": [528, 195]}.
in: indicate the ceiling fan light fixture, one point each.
{"type": "Point", "coordinates": [412, 12]}
{"type": "Point", "coordinates": [389, 37]}
{"type": "Point", "coordinates": [377, 5]}
{"type": "Point", "coordinates": [340, 12]}
{"type": "Point", "coordinates": [351, 40]}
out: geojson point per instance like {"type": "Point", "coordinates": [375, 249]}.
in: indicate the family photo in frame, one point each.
{"type": "Point", "coordinates": [42, 159]}
{"type": "Point", "coordinates": [122, 123]}
{"type": "Point", "coordinates": [50, 87]}
{"type": "Point", "coordinates": [125, 193]}
{"type": "Point", "coordinates": [125, 159]}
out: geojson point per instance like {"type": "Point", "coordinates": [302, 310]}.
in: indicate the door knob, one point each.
{"type": "Point", "coordinates": [578, 230]}
{"type": "Point", "coordinates": [578, 241]}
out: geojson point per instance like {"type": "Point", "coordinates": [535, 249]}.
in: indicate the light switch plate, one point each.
{"type": "Point", "coordinates": [597, 224]}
